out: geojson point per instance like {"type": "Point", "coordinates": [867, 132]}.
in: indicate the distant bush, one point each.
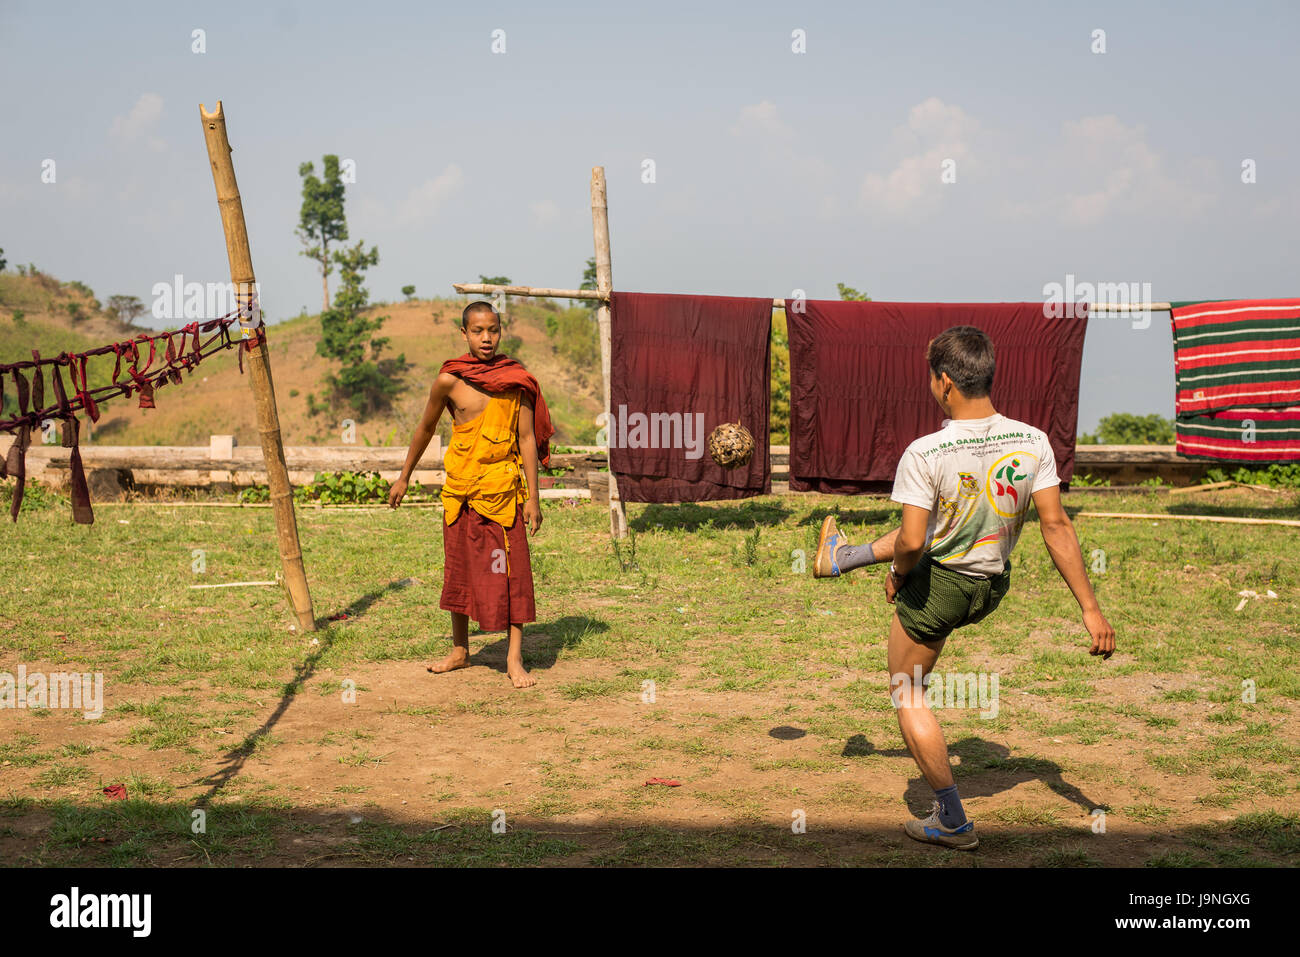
{"type": "Point", "coordinates": [575, 338]}
{"type": "Point", "coordinates": [1124, 428]}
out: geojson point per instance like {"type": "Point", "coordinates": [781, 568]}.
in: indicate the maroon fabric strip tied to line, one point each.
{"type": "Point", "coordinates": [680, 366]}
{"type": "Point", "coordinates": [32, 411]}
{"type": "Point", "coordinates": [859, 390]}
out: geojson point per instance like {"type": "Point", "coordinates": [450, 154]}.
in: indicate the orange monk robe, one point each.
{"type": "Point", "coordinates": [487, 573]}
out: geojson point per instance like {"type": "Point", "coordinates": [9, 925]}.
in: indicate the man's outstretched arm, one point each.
{"type": "Point", "coordinates": [1063, 546]}
{"type": "Point", "coordinates": [908, 546]}
{"type": "Point", "coordinates": [424, 433]}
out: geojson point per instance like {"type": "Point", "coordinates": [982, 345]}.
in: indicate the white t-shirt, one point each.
{"type": "Point", "coordinates": [976, 477]}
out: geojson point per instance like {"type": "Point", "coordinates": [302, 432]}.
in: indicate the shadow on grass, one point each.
{"type": "Point", "coordinates": [986, 768]}
{"type": "Point", "coordinates": [543, 641]}
{"type": "Point", "coordinates": [158, 833]}
{"type": "Point", "coordinates": [690, 516]}
{"type": "Point", "coordinates": [852, 516]}
{"type": "Point", "coordinates": [232, 762]}
{"type": "Point", "coordinates": [1286, 506]}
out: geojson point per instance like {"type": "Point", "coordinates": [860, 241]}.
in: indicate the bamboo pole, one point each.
{"type": "Point", "coordinates": [268, 418]}
{"type": "Point", "coordinates": [538, 292]}
{"type": "Point", "coordinates": [545, 292]}
{"type": "Point", "coordinates": [1225, 519]}
{"type": "Point", "coordinates": [605, 287]}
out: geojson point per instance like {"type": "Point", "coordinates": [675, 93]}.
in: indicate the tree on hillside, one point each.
{"type": "Point", "coordinates": [127, 308]}
{"type": "Point", "coordinates": [494, 280]}
{"type": "Point", "coordinates": [408, 292]}
{"type": "Point", "coordinates": [1124, 428]}
{"type": "Point", "coordinates": [779, 423]}
{"type": "Point", "coordinates": [3, 262]}
{"type": "Point", "coordinates": [588, 282]}
{"type": "Point", "coordinates": [849, 294]}
{"type": "Point", "coordinates": [366, 382]}
{"type": "Point", "coordinates": [321, 218]}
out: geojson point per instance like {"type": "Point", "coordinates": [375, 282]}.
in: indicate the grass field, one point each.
{"type": "Point", "coordinates": [769, 701]}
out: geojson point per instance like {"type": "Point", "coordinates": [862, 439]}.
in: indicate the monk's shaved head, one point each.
{"type": "Point", "coordinates": [474, 308]}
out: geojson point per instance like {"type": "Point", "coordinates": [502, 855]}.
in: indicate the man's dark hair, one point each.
{"type": "Point", "coordinates": [966, 354]}
{"type": "Point", "coordinates": [478, 305]}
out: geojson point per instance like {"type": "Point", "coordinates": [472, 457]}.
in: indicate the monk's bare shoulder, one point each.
{"type": "Point", "coordinates": [443, 385]}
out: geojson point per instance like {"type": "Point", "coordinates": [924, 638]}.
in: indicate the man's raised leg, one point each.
{"type": "Point", "coordinates": [835, 555]}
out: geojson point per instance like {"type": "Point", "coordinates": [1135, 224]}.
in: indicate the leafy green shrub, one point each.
{"type": "Point", "coordinates": [1274, 476]}
{"type": "Point", "coordinates": [344, 488]}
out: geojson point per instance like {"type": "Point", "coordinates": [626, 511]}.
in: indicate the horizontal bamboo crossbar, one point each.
{"type": "Point", "coordinates": [1157, 517]}
{"type": "Point", "coordinates": [546, 292]}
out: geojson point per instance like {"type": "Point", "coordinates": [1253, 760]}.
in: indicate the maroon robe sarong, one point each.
{"type": "Point", "coordinates": [471, 586]}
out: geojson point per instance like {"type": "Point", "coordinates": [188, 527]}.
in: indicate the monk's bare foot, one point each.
{"type": "Point", "coordinates": [459, 658]}
{"type": "Point", "coordinates": [518, 675]}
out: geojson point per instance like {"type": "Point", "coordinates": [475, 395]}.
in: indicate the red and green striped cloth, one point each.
{"type": "Point", "coordinates": [1237, 379]}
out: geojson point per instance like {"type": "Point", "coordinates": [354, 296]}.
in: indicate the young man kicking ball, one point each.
{"type": "Point", "coordinates": [965, 492]}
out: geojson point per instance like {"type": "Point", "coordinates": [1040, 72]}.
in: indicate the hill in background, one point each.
{"type": "Point", "coordinates": [557, 345]}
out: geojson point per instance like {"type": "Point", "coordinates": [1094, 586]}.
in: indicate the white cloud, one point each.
{"type": "Point", "coordinates": [1134, 176]}
{"type": "Point", "coordinates": [140, 121]}
{"type": "Point", "coordinates": [425, 200]}
{"type": "Point", "coordinates": [935, 133]}
{"type": "Point", "coordinates": [759, 118]}
{"type": "Point", "coordinates": [545, 212]}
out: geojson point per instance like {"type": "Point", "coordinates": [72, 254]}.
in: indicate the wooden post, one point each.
{"type": "Point", "coordinates": [605, 286]}
{"type": "Point", "coordinates": [268, 418]}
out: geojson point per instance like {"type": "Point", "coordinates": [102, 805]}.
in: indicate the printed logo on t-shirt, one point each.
{"type": "Point", "coordinates": [1010, 479]}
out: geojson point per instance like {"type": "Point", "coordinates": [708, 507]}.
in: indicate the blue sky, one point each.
{"type": "Point", "coordinates": [774, 171]}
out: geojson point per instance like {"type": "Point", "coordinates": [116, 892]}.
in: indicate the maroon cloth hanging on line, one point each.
{"type": "Point", "coordinates": [680, 366]}
{"type": "Point", "coordinates": [859, 389]}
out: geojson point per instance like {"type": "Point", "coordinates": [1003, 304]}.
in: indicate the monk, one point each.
{"type": "Point", "coordinates": [501, 431]}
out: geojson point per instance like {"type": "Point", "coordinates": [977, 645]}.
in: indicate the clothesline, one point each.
{"type": "Point", "coordinates": [33, 412]}
{"type": "Point", "coordinates": [541, 292]}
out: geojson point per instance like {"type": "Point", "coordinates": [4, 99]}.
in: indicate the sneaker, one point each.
{"type": "Point", "coordinates": [824, 565]}
{"type": "Point", "coordinates": [932, 831]}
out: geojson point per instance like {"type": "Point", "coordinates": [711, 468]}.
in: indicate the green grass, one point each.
{"type": "Point", "coordinates": [702, 612]}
